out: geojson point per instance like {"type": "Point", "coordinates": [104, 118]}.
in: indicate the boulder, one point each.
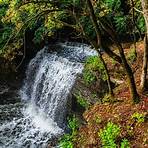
{"type": "Point", "coordinates": [92, 93]}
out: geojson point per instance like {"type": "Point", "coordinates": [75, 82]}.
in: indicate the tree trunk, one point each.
{"type": "Point", "coordinates": [98, 33]}
{"type": "Point", "coordinates": [145, 65]}
{"type": "Point", "coordinates": [111, 94]}
{"type": "Point", "coordinates": [145, 57]}
{"type": "Point", "coordinates": [110, 53]}
{"type": "Point", "coordinates": [110, 31]}
{"type": "Point", "coordinates": [129, 73]}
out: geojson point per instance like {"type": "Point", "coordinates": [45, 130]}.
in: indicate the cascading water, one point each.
{"type": "Point", "coordinates": [49, 79]}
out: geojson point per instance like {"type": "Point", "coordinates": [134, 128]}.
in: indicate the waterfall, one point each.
{"type": "Point", "coordinates": [45, 93]}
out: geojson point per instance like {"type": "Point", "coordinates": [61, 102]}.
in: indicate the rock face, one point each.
{"type": "Point", "coordinates": [8, 95]}
{"type": "Point", "coordinates": [9, 88]}
{"type": "Point", "coordinates": [91, 92]}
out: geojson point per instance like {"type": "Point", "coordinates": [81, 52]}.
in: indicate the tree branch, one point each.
{"type": "Point", "coordinates": [35, 2]}
{"type": "Point", "coordinates": [138, 10]}
{"type": "Point", "coordinates": [98, 33]}
{"type": "Point", "coordinates": [38, 15]}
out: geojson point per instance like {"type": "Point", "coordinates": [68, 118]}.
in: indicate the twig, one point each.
{"type": "Point", "coordinates": [24, 54]}
{"type": "Point", "coordinates": [138, 10]}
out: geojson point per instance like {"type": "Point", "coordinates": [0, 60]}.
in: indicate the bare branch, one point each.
{"type": "Point", "coordinates": [138, 10]}
{"type": "Point", "coordinates": [24, 54]}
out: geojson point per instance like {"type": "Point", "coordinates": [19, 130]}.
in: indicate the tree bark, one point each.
{"type": "Point", "coordinates": [98, 33]}
{"type": "Point", "coordinates": [111, 93]}
{"type": "Point", "coordinates": [145, 57]}
{"type": "Point", "coordinates": [145, 66]}
{"type": "Point", "coordinates": [110, 53]}
{"type": "Point", "coordinates": [128, 70]}
{"type": "Point", "coordinates": [129, 74]}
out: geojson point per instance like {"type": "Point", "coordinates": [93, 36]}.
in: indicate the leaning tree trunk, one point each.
{"type": "Point", "coordinates": [99, 43]}
{"type": "Point", "coordinates": [98, 33]}
{"type": "Point", "coordinates": [129, 73]}
{"type": "Point", "coordinates": [145, 57]}
{"type": "Point", "coordinates": [111, 93]}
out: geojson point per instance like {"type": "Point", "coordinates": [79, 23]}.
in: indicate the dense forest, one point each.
{"type": "Point", "coordinates": [105, 105]}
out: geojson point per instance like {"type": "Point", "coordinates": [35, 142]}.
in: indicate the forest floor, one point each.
{"type": "Point", "coordinates": [131, 118]}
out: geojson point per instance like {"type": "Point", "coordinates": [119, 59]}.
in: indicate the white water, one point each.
{"type": "Point", "coordinates": [49, 79]}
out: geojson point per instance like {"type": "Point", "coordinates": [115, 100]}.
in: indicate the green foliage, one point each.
{"type": "Point", "coordinates": [67, 140]}
{"type": "Point", "coordinates": [93, 66]}
{"type": "Point", "coordinates": [88, 76]}
{"type": "Point", "coordinates": [120, 15]}
{"type": "Point", "coordinates": [16, 17]}
{"type": "Point", "coordinates": [94, 63]}
{"type": "Point", "coordinates": [113, 4]}
{"type": "Point", "coordinates": [125, 143]}
{"type": "Point", "coordinates": [109, 134]}
{"type": "Point", "coordinates": [73, 123]}
{"type": "Point", "coordinates": [132, 55]}
{"type": "Point", "coordinates": [121, 23]}
{"type": "Point", "coordinates": [40, 33]}
{"type": "Point", "coordinates": [141, 24]}
{"type": "Point", "coordinates": [88, 26]}
{"type": "Point", "coordinates": [139, 118]}
{"type": "Point", "coordinates": [69, 3]}
{"type": "Point", "coordinates": [98, 119]}
{"type": "Point", "coordinates": [82, 101]}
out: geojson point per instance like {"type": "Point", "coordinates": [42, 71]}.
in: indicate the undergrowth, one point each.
{"type": "Point", "coordinates": [109, 136]}
{"type": "Point", "coordinates": [82, 101]}
{"type": "Point", "coordinates": [67, 141]}
{"type": "Point", "coordinates": [132, 55]}
{"type": "Point", "coordinates": [138, 117]}
{"type": "Point", "coordinates": [93, 65]}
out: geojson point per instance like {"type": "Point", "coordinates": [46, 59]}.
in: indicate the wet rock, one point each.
{"type": "Point", "coordinates": [9, 89]}
{"type": "Point", "coordinates": [9, 97]}
{"type": "Point", "coordinates": [53, 142]}
{"type": "Point", "coordinates": [91, 92]}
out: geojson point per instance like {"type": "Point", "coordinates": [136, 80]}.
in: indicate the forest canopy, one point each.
{"type": "Point", "coordinates": [46, 17]}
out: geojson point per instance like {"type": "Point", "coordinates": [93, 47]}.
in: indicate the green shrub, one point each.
{"type": "Point", "coordinates": [109, 134]}
{"type": "Point", "coordinates": [73, 123]}
{"type": "Point", "coordinates": [125, 143]}
{"type": "Point", "coordinates": [138, 117]}
{"type": "Point", "coordinates": [89, 77]}
{"type": "Point", "coordinates": [132, 55]}
{"type": "Point", "coordinates": [82, 101]}
{"type": "Point", "coordinates": [93, 67]}
{"type": "Point", "coordinates": [67, 140]}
